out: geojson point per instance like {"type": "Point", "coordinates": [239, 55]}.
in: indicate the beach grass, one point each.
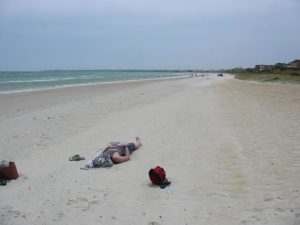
{"type": "Point", "coordinates": [286, 76]}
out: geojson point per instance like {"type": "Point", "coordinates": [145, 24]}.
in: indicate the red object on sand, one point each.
{"type": "Point", "coordinates": [10, 172]}
{"type": "Point", "coordinates": [157, 175]}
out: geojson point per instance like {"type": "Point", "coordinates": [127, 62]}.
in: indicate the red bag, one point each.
{"type": "Point", "coordinates": [10, 172]}
{"type": "Point", "coordinates": [158, 177]}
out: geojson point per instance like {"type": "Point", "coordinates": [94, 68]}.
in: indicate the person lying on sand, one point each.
{"type": "Point", "coordinates": [114, 153]}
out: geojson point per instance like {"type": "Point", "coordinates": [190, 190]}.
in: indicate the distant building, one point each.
{"type": "Point", "coordinates": [281, 65]}
{"type": "Point", "coordinates": [264, 67]}
{"type": "Point", "coordinates": [294, 64]}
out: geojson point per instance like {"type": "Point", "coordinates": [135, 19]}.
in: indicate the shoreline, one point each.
{"type": "Point", "coordinates": [45, 97]}
{"type": "Point", "coordinates": [30, 99]}
{"type": "Point", "coordinates": [89, 84]}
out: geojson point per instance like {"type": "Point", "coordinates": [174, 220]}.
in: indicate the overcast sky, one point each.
{"type": "Point", "coordinates": [147, 34]}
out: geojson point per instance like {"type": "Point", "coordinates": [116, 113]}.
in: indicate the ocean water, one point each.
{"type": "Point", "coordinates": [39, 80]}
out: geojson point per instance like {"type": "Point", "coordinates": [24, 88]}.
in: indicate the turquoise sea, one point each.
{"type": "Point", "coordinates": [39, 80]}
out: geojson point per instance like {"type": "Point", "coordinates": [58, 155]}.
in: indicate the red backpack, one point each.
{"type": "Point", "coordinates": [158, 177]}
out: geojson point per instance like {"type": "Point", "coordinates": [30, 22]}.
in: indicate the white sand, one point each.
{"type": "Point", "coordinates": [230, 148]}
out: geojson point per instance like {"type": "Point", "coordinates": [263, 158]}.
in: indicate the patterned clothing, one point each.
{"type": "Point", "coordinates": [105, 158]}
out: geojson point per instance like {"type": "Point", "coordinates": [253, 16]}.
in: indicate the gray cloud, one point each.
{"type": "Point", "coordinates": [147, 33]}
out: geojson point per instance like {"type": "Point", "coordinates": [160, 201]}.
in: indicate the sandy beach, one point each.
{"type": "Point", "coordinates": [230, 148]}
